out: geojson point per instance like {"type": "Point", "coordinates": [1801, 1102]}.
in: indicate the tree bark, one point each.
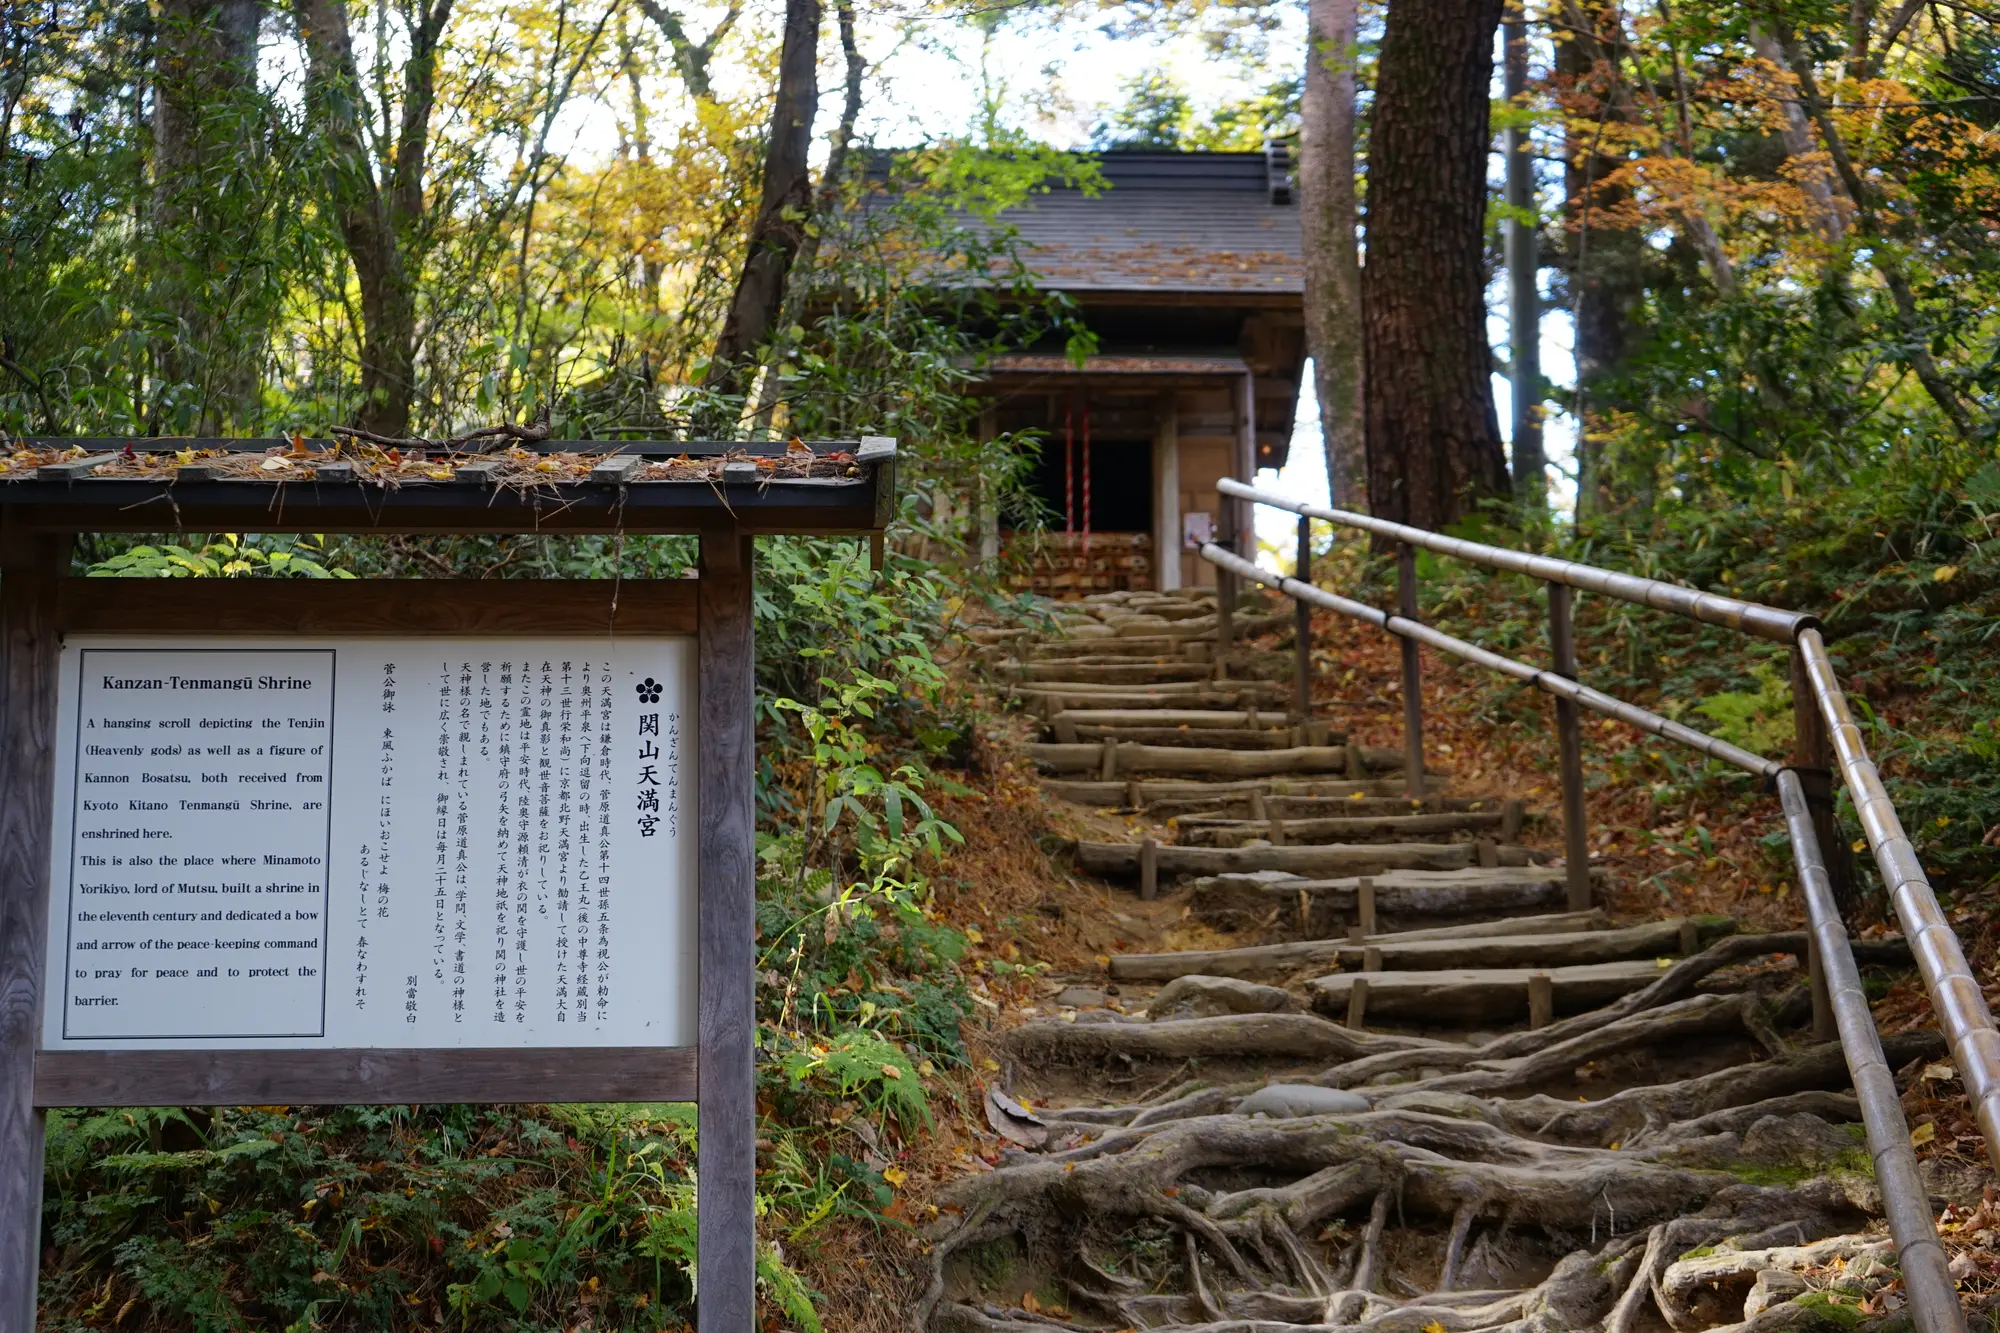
{"type": "Point", "coordinates": [1814, 177]}
{"type": "Point", "coordinates": [824, 201]}
{"type": "Point", "coordinates": [691, 58]}
{"type": "Point", "coordinates": [378, 222]}
{"type": "Point", "coordinates": [206, 128]}
{"type": "Point", "coordinates": [1434, 448]}
{"type": "Point", "coordinates": [1531, 482]}
{"type": "Point", "coordinates": [784, 210]}
{"type": "Point", "coordinates": [1606, 279]}
{"type": "Point", "coordinates": [1332, 262]}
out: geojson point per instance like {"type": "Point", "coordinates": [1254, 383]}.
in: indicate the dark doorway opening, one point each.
{"type": "Point", "coordinates": [1120, 489]}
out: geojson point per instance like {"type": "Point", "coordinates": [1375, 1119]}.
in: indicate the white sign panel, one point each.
{"type": "Point", "coordinates": [424, 842]}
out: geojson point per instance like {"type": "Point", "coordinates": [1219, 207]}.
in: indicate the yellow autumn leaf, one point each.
{"type": "Point", "coordinates": [892, 1073]}
{"type": "Point", "coordinates": [274, 464]}
{"type": "Point", "coordinates": [1922, 1134]}
{"type": "Point", "coordinates": [1944, 573]}
{"type": "Point", "coordinates": [895, 1175]}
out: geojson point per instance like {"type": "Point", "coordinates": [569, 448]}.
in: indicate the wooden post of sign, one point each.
{"type": "Point", "coordinates": [29, 652]}
{"type": "Point", "coordinates": [726, 1189]}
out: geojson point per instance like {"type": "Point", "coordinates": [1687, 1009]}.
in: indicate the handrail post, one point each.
{"type": "Point", "coordinates": [1302, 624]}
{"type": "Point", "coordinates": [1569, 742]}
{"type": "Point", "coordinates": [1413, 673]}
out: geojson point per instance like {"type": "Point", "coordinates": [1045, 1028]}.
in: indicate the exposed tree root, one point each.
{"type": "Point", "coordinates": [1231, 1036]}
{"type": "Point", "coordinates": [1622, 1188]}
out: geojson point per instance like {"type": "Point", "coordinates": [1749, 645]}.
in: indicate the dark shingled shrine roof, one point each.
{"type": "Point", "coordinates": [1169, 222]}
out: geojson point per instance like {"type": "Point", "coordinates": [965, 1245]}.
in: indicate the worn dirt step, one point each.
{"type": "Point", "coordinates": [1227, 807]}
{"type": "Point", "coordinates": [1169, 795]}
{"type": "Point", "coordinates": [1304, 908]}
{"type": "Point", "coordinates": [1132, 759]}
{"type": "Point", "coordinates": [1194, 719]}
{"type": "Point", "coordinates": [1232, 694]}
{"type": "Point", "coordinates": [1375, 828]}
{"type": "Point", "coordinates": [1122, 858]}
{"type": "Point", "coordinates": [1431, 950]}
{"type": "Point", "coordinates": [1312, 736]}
{"type": "Point", "coordinates": [1169, 644]}
{"type": "Point", "coordinates": [1119, 673]}
{"type": "Point", "coordinates": [1483, 997]}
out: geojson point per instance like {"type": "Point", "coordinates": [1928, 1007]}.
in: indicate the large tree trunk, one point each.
{"type": "Point", "coordinates": [379, 223]}
{"type": "Point", "coordinates": [207, 129]}
{"type": "Point", "coordinates": [1434, 447]}
{"type": "Point", "coordinates": [1332, 263]}
{"type": "Point", "coordinates": [825, 199]}
{"type": "Point", "coordinates": [784, 211]}
{"type": "Point", "coordinates": [1604, 259]}
{"type": "Point", "coordinates": [1531, 482]}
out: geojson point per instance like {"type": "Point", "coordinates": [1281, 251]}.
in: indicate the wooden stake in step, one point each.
{"type": "Point", "coordinates": [1258, 811]}
{"type": "Point", "coordinates": [1109, 770]}
{"type": "Point", "coordinates": [1135, 794]}
{"type": "Point", "coordinates": [1690, 939]}
{"type": "Point", "coordinates": [1489, 854]}
{"type": "Point", "coordinates": [1149, 869]}
{"type": "Point", "coordinates": [1513, 814]}
{"type": "Point", "coordinates": [1371, 959]}
{"type": "Point", "coordinates": [1277, 833]}
{"type": "Point", "coordinates": [1357, 1003]}
{"type": "Point", "coordinates": [1364, 905]}
{"type": "Point", "coordinates": [1064, 729]}
{"type": "Point", "coordinates": [1541, 1000]}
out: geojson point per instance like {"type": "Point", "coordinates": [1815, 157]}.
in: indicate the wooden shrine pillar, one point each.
{"type": "Point", "coordinates": [1167, 494]}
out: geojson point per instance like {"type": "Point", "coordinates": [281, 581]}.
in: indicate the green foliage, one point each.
{"type": "Point", "coordinates": [1759, 721]}
{"type": "Point", "coordinates": [229, 556]}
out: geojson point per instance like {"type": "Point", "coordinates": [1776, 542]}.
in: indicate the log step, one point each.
{"type": "Point", "coordinates": [1118, 673]}
{"type": "Point", "coordinates": [1122, 858]}
{"type": "Point", "coordinates": [1194, 719]}
{"type": "Point", "coordinates": [1225, 807]}
{"type": "Point", "coordinates": [1168, 644]}
{"type": "Point", "coordinates": [1480, 996]}
{"type": "Point", "coordinates": [1319, 908]}
{"type": "Point", "coordinates": [1379, 828]}
{"type": "Point", "coordinates": [1425, 951]}
{"type": "Point", "coordinates": [1233, 694]}
{"type": "Point", "coordinates": [1168, 795]}
{"type": "Point", "coordinates": [1240, 739]}
{"type": "Point", "coordinates": [1133, 759]}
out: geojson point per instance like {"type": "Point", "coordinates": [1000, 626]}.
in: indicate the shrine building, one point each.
{"type": "Point", "coordinates": [1188, 271]}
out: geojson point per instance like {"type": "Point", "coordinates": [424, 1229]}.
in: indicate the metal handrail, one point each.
{"type": "Point", "coordinates": [1954, 992]}
{"type": "Point", "coordinates": [1766, 622]}
{"type": "Point", "coordinates": [1826, 730]}
{"type": "Point", "coordinates": [1547, 681]}
{"type": "Point", "coordinates": [1905, 1200]}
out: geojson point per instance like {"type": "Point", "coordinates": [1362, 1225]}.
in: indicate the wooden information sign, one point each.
{"type": "Point", "coordinates": [373, 841]}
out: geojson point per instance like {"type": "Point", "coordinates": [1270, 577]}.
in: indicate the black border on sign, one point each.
{"type": "Point", "coordinates": [325, 860]}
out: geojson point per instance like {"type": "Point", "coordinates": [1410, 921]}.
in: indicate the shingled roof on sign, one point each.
{"type": "Point", "coordinates": [1171, 222]}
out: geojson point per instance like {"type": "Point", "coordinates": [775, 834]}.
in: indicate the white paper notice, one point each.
{"type": "Point", "coordinates": [310, 843]}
